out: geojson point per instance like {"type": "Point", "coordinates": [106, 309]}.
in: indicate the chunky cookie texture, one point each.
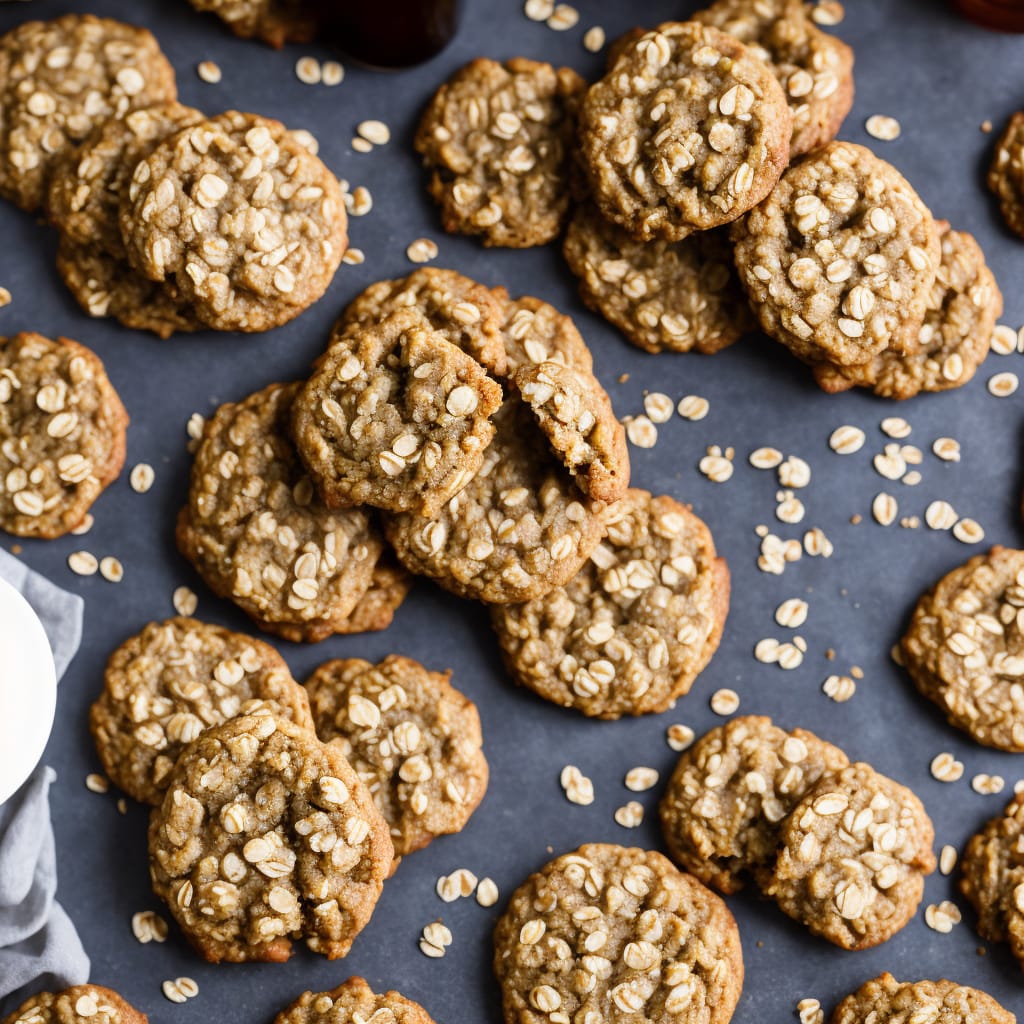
{"type": "Point", "coordinates": [688, 130]}
{"type": "Point", "coordinates": [62, 434]}
{"type": "Point", "coordinates": [497, 139]}
{"type": "Point", "coordinates": [395, 416]}
{"type": "Point", "coordinates": [258, 534]}
{"type": "Point", "coordinates": [885, 999]}
{"type": "Point", "coordinates": [964, 647]}
{"type": "Point", "coordinates": [169, 682]}
{"type": "Point", "coordinates": [724, 807]}
{"type": "Point", "coordinates": [266, 836]}
{"type": "Point", "coordinates": [852, 858]}
{"type": "Point", "coordinates": [839, 261]}
{"type": "Point", "coordinates": [62, 78]}
{"type": "Point", "coordinates": [274, 21]}
{"type": "Point", "coordinates": [411, 737]}
{"type": "Point", "coordinates": [612, 933]}
{"type": "Point", "coordinates": [535, 332]}
{"type": "Point", "coordinates": [82, 1004]}
{"type": "Point", "coordinates": [353, 1002]}
{"type": "Point", "coordinates": [246, 221]}
{"type": "Point", "coordinates": [634, 628]}
{"type": "Point", "coordinates": [1006, 175]}
{"type": "Point", "coordinates": [953, 342]}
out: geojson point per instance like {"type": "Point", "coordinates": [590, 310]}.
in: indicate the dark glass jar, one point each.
{"type": "Point", "coordinates": [1005, 15]}
{"type": "Point", "coordinates": [392, 33]}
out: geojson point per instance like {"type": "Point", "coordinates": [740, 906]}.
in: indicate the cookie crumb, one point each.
{"type": "Point", "coordinates": [986, 126]}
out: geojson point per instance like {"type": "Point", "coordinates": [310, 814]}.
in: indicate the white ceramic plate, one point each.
{"type": "Point", "coordinates": [28, 690]}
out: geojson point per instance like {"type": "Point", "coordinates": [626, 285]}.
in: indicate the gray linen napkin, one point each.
{"type": "Point", "coordinates": [38, 943]}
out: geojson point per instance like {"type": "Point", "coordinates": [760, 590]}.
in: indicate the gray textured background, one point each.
{"type": "Point", "coordinates": [916, 61]}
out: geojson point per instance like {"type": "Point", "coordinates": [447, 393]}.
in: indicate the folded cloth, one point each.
{"type": "Point", "coordinates": [39, 946]}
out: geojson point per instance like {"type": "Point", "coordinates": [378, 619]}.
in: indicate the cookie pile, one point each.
{"type": "Point", "coordinates": [841, 848]}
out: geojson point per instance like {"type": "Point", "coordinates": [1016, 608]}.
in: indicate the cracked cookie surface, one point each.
{"type": "Point", "coordinates": [353, 1003]}
{"type": "Point", "coordinates": [1006, 175]}
{"type": "Point", "coordinates": [81, 1004]}
{"type": "Point", "coordinates": [535, 332]}
{"type": "Point", "coordinates": [885, 999]}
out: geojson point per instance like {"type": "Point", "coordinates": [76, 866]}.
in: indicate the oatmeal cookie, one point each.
{"type": "Point", "coordinates": [992, 877]}
{"type": "Point", "coordinates": [62, 78]}
{"type": "Point", "coordinates": [258, 534]}
{"type": "Point", "coordinates": [663, 296]}
{"type": "Point", "coordinates": [166, 684]}
{"type": "Point", "coordinates": [241, 215]}
{"type": "Point", "coordinates": [389, 587]}
{"type": "Point", "coordinates": [688, 131]}
{"type": "Point", "coordinates": [815, 69]}
{"type": "Point", "coordinates": [411, 737]}
{"type": "Point", "coordinates": [610, 933]}
{"type": "Point", "coordinates": [274, 21]}
{"type": "Point", "coordinates": [82, 1004]}
{"type": "Point", "coordinates": [635, 627]}
{"type": "Point", "coordinates": [535, 332]}
{"type": "Point", "coordinates": [852, 859]}
{"type": "Point", "coordinates": [575, 414]}
{"type": "Point", "coordinates": [964, 647]}
{"type": "Point", "coordinates": [840, 259]}
{"type": "Point", "coordinates": [517, 530]}
{"type": "Point", "coordinates": [723, 809]}
{"type": "Point", "coordinates": [395, 416]}
{"type": "Point", "coordinates": [884, 999]}
{"type": "Point", "coordinates": [496, 139]}
{"type": "Point", "coordinates": [465, 312]}
{"type": "Point", "coordinates": [962, 310]}
{"type": "Point", "coordinates": [266, 835]}
{"type": "Point", "coordinates": [1006, 175]}
{"type": "Point", "coordinates": [62, 434]}
{"type": "Point", "coordinates": [353, 1002]}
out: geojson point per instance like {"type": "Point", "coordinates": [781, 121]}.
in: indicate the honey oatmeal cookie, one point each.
{"type": "Point", "coordinates": [1006, 175]}
{"type": "Point", "coordinates": [412, 738]}
{"type": "Point", "coordinates": [964, 648]}
{"type": "Point", "coordinates": [840, 259]}
{"type": "Point", "coordinates": [687, 131]}
{"type": "Point", "coordinates": [353, 1002]}
{"type": "Point", "coordinates": [274, 21]}
{"type": "Point", "coordinates": [723, 809]}
{"type": "Point", "coordinates": [535, 332]}
{"type": "Point", "coordinates": [609, 933]}
{"type": "Point", "coordinates": [992, 877]}
{"type": "Point", "coordinates": [62, 78]}
{"type": "Point", "coordinates": [852, 858]}
{"type": "Point", "coordinates": [82, 1004]}
{"type": "Point", "coordinates": [258, 534]}
{"type": "Point", "coordinates": [884, 999]}
{"type": "Point", "coordinates": [516, 531]}
{"type": "Point", "coordinates": [962, 310]}
{"type": "Point", "coordinates": [266, 835]}
{"type": "Point", "coordinates": [663, 296]}
{"type": "Point", "coordinates": [465, 312]}
{"type": "Point", "coordinates": [635, 627]}
{"type": "Point", "coordinates": [62, 434]}
{"type": "Point", "coordinates": [240, 214]}
{"type": "Point", "coordinates": [815, 69]}
{"type": "Point", "coordinates": [395, 416]}
{"type": "Point", "coordinates": [166, 684]}
{"type": "Point", "coordinates": [497, 138]}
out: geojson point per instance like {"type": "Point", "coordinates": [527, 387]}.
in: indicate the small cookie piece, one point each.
{"type": "Point", "coordinates": [241, 215]}
{"type": "Point", "coordinates": [1006, 175]}
{"type": "Point", "coordinates": [82, 1004]}
{"type": "Point", "coordinates": [465, 312]}
{"type": "Point", "coordinates": [687, 131]}
{"type": "Point", "coordinates": [375, 610]}
{"type": "Point", "coordinates": [266, 835]}
{"type": "Point", "coordinates": [411, 737]}
{"type": "Point", "coordinates": [964, 648]}
{"type": "Point", "coordinates": [496, 138]}
{"type": "Point", "coordinates": [576, 415]}
{"type": "Point", "coordinates": [635, 627]}
{"type": "Point", "coordinates": [258, 534]}
{"type": "Point", "coordinates": [992, 877]}
{"type": "Point", "coordinates": [274, 21]}
{"type": "Point", "coordinates": [62, 78]}
{"type": "Point", "coordinates": [962, 310]}
{"type": "Point", "coordinates": [535, 332]}
{"type": "Point", "coordinates": [353, 1002]}
{"type": "Point", "coordinates": [884, 999]}
{"type": "Point", "coordinates": [722, 811]}
{"type": "Point", "coordinates": [395, 416]}
{"type": "Point", "coordinates": [517, 530]}
{"type": "Point", "coordinates": [815, 69]}
{"type": "Point", "coordinates": [663, 296]}
{"type": "Point", "coordinates": [62, 434]}
{"type": "Point", "coordinates": [852, 859]}
{"type": "Point", "coordinates": [609, 933]}
{"type": "Point", "coordinates": [840, 259]}
{"type": "Point", "coordinates": [166, 684]}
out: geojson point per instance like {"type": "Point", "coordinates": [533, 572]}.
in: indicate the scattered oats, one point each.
{"type": "Point", "coordinates": [593, 39]}
{"type": "Point", "coordinates": [148, 926]}
{"type": "Point", "coordinates": [856, 671]}
{"type": "Point", "coordinates": [360, 202]}
{"type": "Point", "coordinates": [725, 702]}
{"type": "Point", "coordinates": [767, 650]}
{"type": "Point", "coordinates": [435, 940]}
{"type": "Point", "coordinates": [828, 13]}
{"type": "Point", "coordinates": [111, 569]}
{"type": "Point", "coordinates": [910, 522]}
{"type": "Point", "coordinates": [947, 859]}
{"type": "Point", "coordinates": [331, 72]}
{"type": "Point", "coordinates": [361, 145]}
{"type": "Point", "coordinates": [459, 884]}
{"type": "Point", "coordinates": [353, 257]}
{"type": "Point", "coordinates": [578, 788]}
{"type": "Point", "coordinates": [856, 519]}
{"type": "Point", "coordinates": [209, 71]}
{"type": "Point", "coordinates": [84, 526]}
{"type": "Point", "coordinates": [884, 508]}
{"type": "Point", "coordinates": [679, 737]}
{"type": "Point", "coordinates": [896, 653]}
{"type": "Point", "coordinates": [765, 458]}
{"type": "Point", "coordinates": [185, 601]}
{"type": "Point", "coordinates": [839, 688]}
{"type": "Point", "coordinates": [896, 426]}
{"type": "Point", "coordinates": [890, 463]}
{"type": "Point", "coordinates": [987, 785]}
{"type": "Point", "coordinates": [791, 656]}
{"type": "Point", "coordinates": [946, 768]}
{"type": "Point", "coordinates": [816, 544]}
{"type": "Point", "coordinates": [376, 133]}
{"type": "Point", "coordinates": [883, 128]}
{"type": "Point", "coordinates": [180, 990]}
{"type": "Point", "coordinates": [308, 70]}
{"type": "Point", "coordinates": [1003, 341]}
{"type": "Point", "coordinates": [794, 472]}
{"type": "Point", "coordinates": [122, 805]}
{"type": "Point", "coordinates": [564, 16]}
{"type": "Point", "coordinates": [1002, 385]}
{"type": "Point", "coordinates": [846, 440]}
{"type": "Point", "coordinates": [718, 468]}
{"type": "Point", "coordinates": [790, 509]}
{"type": "Point", "coordinates": [968, 531]}
{"type": "Point", "coordinates": [538, 10]}
{"type": "Point", "coordinates": [791, 614]}
{"type": "Point", "coordinates": [487, 892]}
{"type": "Point", "coordinates": [96, 783]}
{"type": "Point", "coordinates": [5, 297]}
{"type": "Point", "coordinates": [142, 477]}
{"type": "Point", "coordinates": [947, 449]}
{"type": "Point", "coordinates": [911, 454]}
{"type": "Point", "coordinates": [810, 1011]}
{"type": "Point", "coordinates": [641, 431]}
{"type": "Point", "coordinates": [630, 815]}
{"type": "Point", "coordinates": [693, 407]}
{"type": "Point", "coordinates": [195, 425]}
{"type": "Point", "coordinates": [940, 515]}
{"type": "Point", "coordinates": [82, 563]}
{"type": "Point", "coordinates": [942, 917]}
{"type": "Point", "coordinates": [422, 250]}
{"type": "Point", "coordinates": [641, 779]}
{"type": "Point", "coordinates": [986, 126]}
{"type": "Point", "coordinates": [911, 479]}
{"type": "Point", "coordinates": [658, 407]}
